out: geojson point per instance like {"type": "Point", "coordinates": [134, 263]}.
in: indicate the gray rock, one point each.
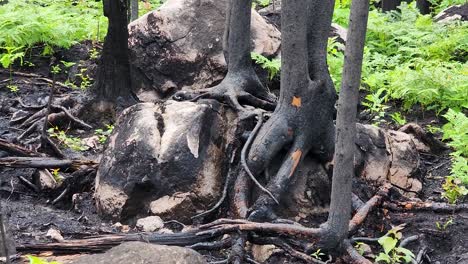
{"type": "Point", "coordinates": [180, 45]}
{"type": "Point", "coordinates": [144, 253]}
{"type": "Point", "coordinates": [456, 12]}
{"type": "Point", "coordinates": [163, 149]}
{"type": "Point", "coordinates": [150, 223]}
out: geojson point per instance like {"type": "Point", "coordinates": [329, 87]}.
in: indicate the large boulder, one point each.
{"type": "Point", "coordinates": [159, 150]}
{"type": "Point", "coordinates": [180, 45]}
{"type": "Point", "coordinates": [144, 253]}
{"type": "Point", "coordinates": [170, 159]}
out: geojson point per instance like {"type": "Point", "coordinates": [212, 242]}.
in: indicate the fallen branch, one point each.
{"type": "Point", "coordinates": [45, 163]}
{"type": "Point", "coordinates": [38, 77]}
{"type": "Point", "coordinates": [364, 210]}
{"type": "Point", "coordinates": [427, 206]}
{"type": "Point", "coordinates": [17, 150]}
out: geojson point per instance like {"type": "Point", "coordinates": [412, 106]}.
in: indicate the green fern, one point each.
{"type": "Point", "coordinates": [48, 23]}
{"type": "Point", "coordinates": [272, 66]}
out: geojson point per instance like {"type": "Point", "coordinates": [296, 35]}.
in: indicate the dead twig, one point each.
{"type": "Point", "coordinates": [362, 213]}
{"type": "Point", "coordinates": [38, 77]}
{"type": "Point", "coordinates": [45, 163]}
{"type": "Point", "coordinates": [17, 149]}
{"type": "Point", "coordinates": [435, 207]}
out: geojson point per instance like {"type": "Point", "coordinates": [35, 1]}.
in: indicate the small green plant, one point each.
{"type": "Point", "coordinates": [261, 3]}
{"type": "Point", "coordinates": [392, 252]}
{"type": "Point", "coordinates": [86, 81]}
{"type": "Point", "coordinates": [433, 129]}
{"type": "Point", "coordinates": [55, 173]}
{"type": "Point", "coordinates": [12, 54]}
{"type": "Point", "coordinates": [67, 64]}
{"type": "Point", "coordinates": [317, 254]}
{"type": "Point", "coordinates": [93, 54]}
{"type": "Point", "coordinates": [104, 134]}
{"type": "Point", "coordinates": [375, 105]}
{"type": "Point", "coordinates": [55, 69]}
{"type": "Point", "coordinates": [12, 88]}
{"type": "Point", "coordinates": [443, 226]}
{"type": "Point", "coordinates": [360, 247]}
{"type": "Point", "coordinates": [272, 66]}
{"type": "Point", "coordinates": [70, 142]}
{"type": "Point", "coordinates": [37, 260]}
{"type": "Point", "coordinates": [453, 189]}
{"type": "Point", "coordinates": [398, 118]}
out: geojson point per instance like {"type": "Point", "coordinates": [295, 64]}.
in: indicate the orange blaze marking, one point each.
{"type": "Point", "coordinates": [296, 156]}
{"type": "Point", "coordinates": [296, 101]}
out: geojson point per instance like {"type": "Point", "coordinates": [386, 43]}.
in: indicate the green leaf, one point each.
{"type": "Point", "coordinates": [383, 257]}
{"type": "Point", "coordinates": [388, 243]}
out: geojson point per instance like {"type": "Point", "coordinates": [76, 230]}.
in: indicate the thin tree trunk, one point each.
{"type": "Point", "coordinates": [113, 76]}
{"type": "Point", "coordinates": [343, 171]}
{"type": "Point", "coordinates": [133, 10]}
{"type": "Point", "coordinates": [239, 35]}
{"type": "Point", "coordinates": [389, 5]}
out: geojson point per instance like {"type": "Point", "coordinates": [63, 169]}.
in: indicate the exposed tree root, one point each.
{"type": "Point", "coordinates": [353, 255]}
{"type": "Point", "coordinates": [244, 162]}
{"type": "Point", "coordinates": [232, 89]}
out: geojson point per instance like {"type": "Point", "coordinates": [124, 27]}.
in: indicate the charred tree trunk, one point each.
{"type": "Point", "coordinates": [241, 82]}
{"type": "Point", "coordinates": [303, 119]}
{"type": "Point", "coordinates": [133, 10]}
{"type": "Point", "coordinates": [424, 6]}
{"type": "Point", "coordinates": [389, 5]}
{"type": "Point", "coordinates": [340, 207]}
{"type": "Point", "coordinates": [113, 76]}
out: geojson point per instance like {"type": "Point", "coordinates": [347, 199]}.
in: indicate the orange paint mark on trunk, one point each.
{"type": "Point", "coordinates": [296, 101]}
{"type": "Point", "coordinates": [296, 156]}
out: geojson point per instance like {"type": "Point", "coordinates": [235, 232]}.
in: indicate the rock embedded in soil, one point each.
{"type": "Point", "coordinates": [163, 149]}
{"type": "Point", "coordinates": [180, 45]}
{"type": "Point", "coordinates": [144, 253]}
{"type": "Point", "coordinates": [150, 223]}
{"type": "Point", "coordinates": [388, 155]}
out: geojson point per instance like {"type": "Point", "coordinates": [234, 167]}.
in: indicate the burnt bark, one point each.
{"type": "Point", "coordinates": [343, 170]}
{"type": "Point", "coordinates": [389, 5]}
{"type": "Point", "coordinates": [133, 12]}
{"type": "Point", "coordinates": [113, 75]}
{"type": "Point", "coordinates": [303, 119]}
{"type": "Point", "coordinates": [241, 83]}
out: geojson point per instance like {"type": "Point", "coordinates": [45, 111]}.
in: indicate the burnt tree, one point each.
{"type": "Point", "coordinates": [241, 82]}
{"type": "Point", "coordinates": [113, 74]}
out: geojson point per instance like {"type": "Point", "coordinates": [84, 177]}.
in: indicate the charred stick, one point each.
{"type": "Point", "coordinates": [17, 150]}
{"type": "Point", "coordinates": [28, 184]}
{"type": "Point", "coordinates": [44, 163]}
{"type": "Point", "coordinates": [427, 207]}
{"type": "Point", "coordinates": [4, 236]}
{"type": "Point", "coordinates": [410, 239]}
{"type": "Point", "coordinates": [362, 213]}
{"type": "Point", "coordinates": [73, 118]}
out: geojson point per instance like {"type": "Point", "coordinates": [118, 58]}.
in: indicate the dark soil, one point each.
{"type": "Point", "coordinates": [31, 215]}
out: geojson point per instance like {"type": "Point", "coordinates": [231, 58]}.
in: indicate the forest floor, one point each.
{"type": "Point", "coordinates": [31, 215]}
